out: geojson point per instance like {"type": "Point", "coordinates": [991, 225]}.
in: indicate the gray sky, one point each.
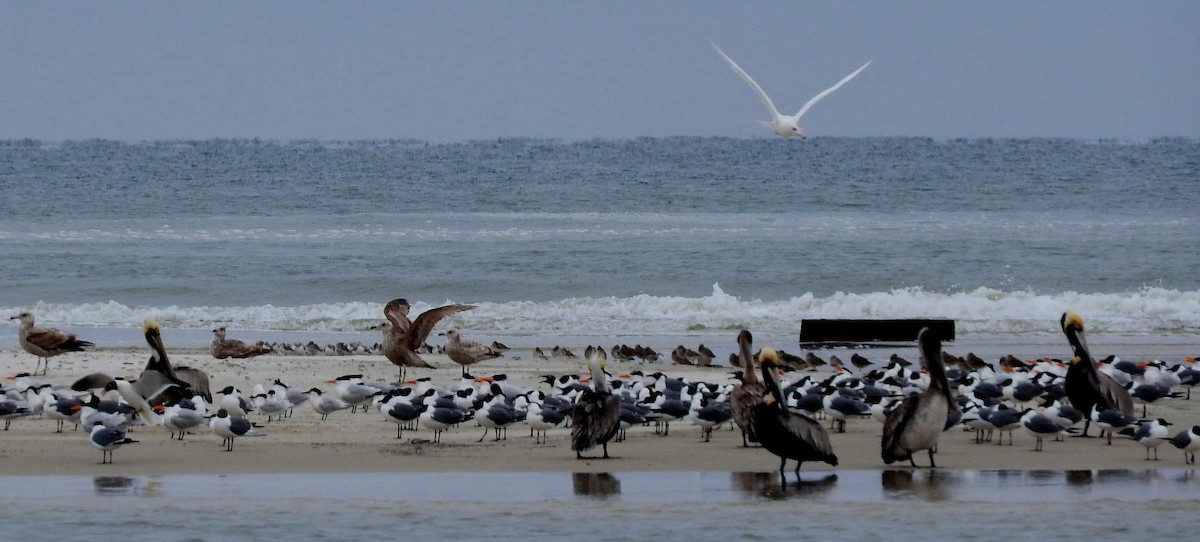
{"type": "Point", "coordinates": [465, 70]}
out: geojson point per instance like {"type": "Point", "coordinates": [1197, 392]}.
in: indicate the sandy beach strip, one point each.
{"type": "Point", "coordinates": [366, 442]}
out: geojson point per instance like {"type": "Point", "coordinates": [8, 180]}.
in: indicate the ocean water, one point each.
{"type": "Point", "coordinates": [846, 505]}
{"type": "Point", "coordinates": [663, 237]}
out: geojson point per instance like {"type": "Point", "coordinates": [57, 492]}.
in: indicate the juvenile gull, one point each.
{"type": "Point", "coordinates": [45, 343]}
{"type": "Point", "coordinates": [466, 352]}
{"type": "Point", "coordinates": [222, 348]}
{"type": "Point", "coordinates": [402, 338]}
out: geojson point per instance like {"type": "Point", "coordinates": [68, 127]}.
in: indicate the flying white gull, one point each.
{"type": "Point", "coordinates": [785, 125]}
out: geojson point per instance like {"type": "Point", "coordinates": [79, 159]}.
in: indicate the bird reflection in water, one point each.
{"type": "Point", "coordinates": [125, 485]}
{"type": "Point", "coordinates": [766, 485]}
{"type": "Point", "coordinates": [927, 485]}
{"type": "Point", "coordinates": [595, 484]}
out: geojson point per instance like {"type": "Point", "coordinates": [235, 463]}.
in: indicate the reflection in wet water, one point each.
{"type": "Point", "coordinates": [595, 484]}
{"type": "Point", "coordinates": [768, 485]}
{"type": "Point", "coordinates": [928, 484]}
{"type": "Point", "coordinates": [126, 485]}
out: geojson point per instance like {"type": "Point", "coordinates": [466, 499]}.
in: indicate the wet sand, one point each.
{"type": "Point", "coordinates": [365, 442]}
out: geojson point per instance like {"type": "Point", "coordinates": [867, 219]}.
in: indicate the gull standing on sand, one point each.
{"type": "Point", "coordinates": [402, 338]}
{"type": "Point", "coordinates": [325, 404]}
{"type": "Point", "coordinates": [45, 343]}
{"type": "Point", "coordinates": [230, 427]}
{"type": "Point", "coordinates": [785, 125]}
{"type": "Point", "coordinates": [465, 352]}
{"type": "Point", "coordinates": [222, 348]}
{"type": "Point", "coordinates": [108, 439]}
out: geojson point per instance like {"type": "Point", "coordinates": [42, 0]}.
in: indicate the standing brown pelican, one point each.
{"type": "Point", "coordinates": [402, 338]}
{"type": "Point", "coordinates": [45, 343]}
{"type": "Point", "coordinates": [159, 382]}
{"type": "Point", "coordinates": [597, 414]}
{"type": "Point", "coordinates": [465, 352]}
{"type": "Point", "coordinates": [222, 348]}
{"type": "Point", "coordinates": [918, 422]}
{"type": "Point", "coordinates": [746, 396]}
{"type": "Point", "coordinates": [1087, 387]}
{"type": "Point", "coordinates": [787, 434]}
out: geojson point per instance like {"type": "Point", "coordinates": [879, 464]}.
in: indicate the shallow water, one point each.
{"type": "Point", "coordinates": [1016, 505]}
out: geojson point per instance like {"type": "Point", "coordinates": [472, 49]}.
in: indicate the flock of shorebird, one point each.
{"type": "Point", "coordinates": [775, 401]}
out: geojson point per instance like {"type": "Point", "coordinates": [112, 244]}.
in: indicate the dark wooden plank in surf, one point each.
{"type": "Point", "coordinates": [850, 331]}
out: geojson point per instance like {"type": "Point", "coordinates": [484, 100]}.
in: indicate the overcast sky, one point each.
{"type": "Point", "coordinates": [464, 70]}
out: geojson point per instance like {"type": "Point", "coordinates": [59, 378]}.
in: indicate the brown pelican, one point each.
{"type": "Point", "coordinates": [159, 382]}
{"type": "Point", "coordinates": [787, 434]}
{"type": "Point", "coordinates": [45, 343]}
{"type": "Point", "coordinates": [746, 396]}
{"type": "Point", "coordinates": [402, 338]}
{"type": "Point", "coordinates": [1087, 387]}
{"type": "Point", "coordinates": [597, 414]}
{"type": "Point", "coordinates": [465, 352]}
{"type": "Point", "coordinates": [222, 348]}
{"type": "Point", "coordinates": [920, 419]}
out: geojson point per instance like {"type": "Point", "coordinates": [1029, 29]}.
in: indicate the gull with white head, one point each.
{"type": "Point", "coordinates": [785, 125]}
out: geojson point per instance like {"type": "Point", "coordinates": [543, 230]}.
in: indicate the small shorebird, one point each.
{"type": "Point", "coordinates": [785, 125]}
{"type": "Point", "coordinates": [45, 343]}
{"type": "Point", "coordinates": [222, 348]}
{"type": "Point", "coordinates": [465, 352]}
{"type": "Point", "coordinates": [402, 338]}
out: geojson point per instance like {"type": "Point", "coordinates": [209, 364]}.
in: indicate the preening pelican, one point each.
{"type": "Point", "coordinates": [1087, 387]}
{"type": "Point", "coordinates": [597, 413]}
{"type": "Point", "coordinates": [159, 382]}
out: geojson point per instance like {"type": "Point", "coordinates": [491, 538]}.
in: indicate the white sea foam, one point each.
{"type": "Point", "coordinates": [1149, 311]}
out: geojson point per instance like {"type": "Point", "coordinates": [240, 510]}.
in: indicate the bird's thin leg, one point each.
{"type": "Point", "coordinates": [932, 465]}
{"type": "Point", "coordinates": [485, 430]}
